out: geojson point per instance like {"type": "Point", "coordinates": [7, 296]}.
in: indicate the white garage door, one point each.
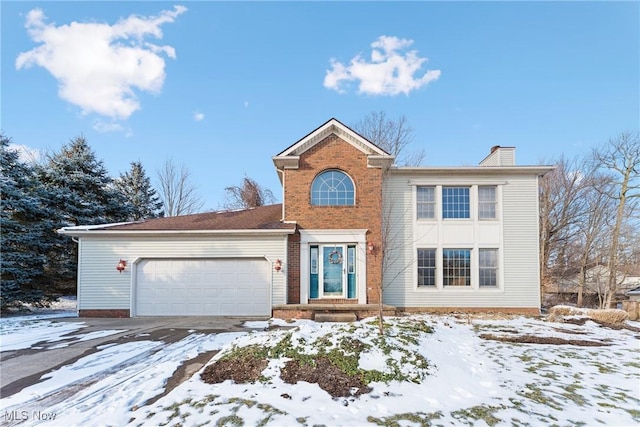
{"type": "Point", "coordinates": [203, 287]}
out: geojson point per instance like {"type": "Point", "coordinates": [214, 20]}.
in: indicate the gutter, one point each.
{"type": "Point", "coordinates": [103, 233]}
{"type": "Point", "coordinates": [477, 170]}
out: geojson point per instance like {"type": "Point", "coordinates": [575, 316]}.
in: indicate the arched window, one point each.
{"type": "Point", "coordinates": [332, 188]}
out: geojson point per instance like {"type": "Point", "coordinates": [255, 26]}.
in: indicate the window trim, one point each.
{"type": "Point", "coordinates": [434, 268]}
{"type": "Point", "coordinates": [495, 269]}
{"type": "Point", "coordinates": [474, 269]}
{"type": "Point", "coordinates": [351, 202]}
{"type": "Point", "coordinates": [433, 203]}
{"type": "Point", "coordinates": [468, 269]}
{"type": "Point", "coordinates": [494, 203]}
{"type": "Point", "coordinates": [468, 204]}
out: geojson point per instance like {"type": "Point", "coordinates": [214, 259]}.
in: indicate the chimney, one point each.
{"type": "Point", "coordinates": [500, 156]}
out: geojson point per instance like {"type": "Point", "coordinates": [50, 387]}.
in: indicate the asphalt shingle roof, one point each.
{"type": "Point", "coordinates": [260, 218]}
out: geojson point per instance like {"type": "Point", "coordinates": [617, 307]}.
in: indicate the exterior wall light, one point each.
{"type": "Point", "coordinates": [277, 266]}
{"type": "Point", "coordinates": [121, 265]}
{"type": "Point", "coordinates": [370, 247]}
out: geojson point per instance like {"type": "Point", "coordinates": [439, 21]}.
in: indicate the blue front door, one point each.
{"type": "Point", "coordinates": [333, 271]}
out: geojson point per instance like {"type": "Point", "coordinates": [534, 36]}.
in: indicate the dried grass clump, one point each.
{"type": "Point", "coordinates": [615, 316]}
{"type": "Point", "coordinates": [610, 315]}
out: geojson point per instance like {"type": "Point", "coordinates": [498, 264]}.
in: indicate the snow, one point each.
{"type": "Point", "coordinates": [21, 332]}
{"type": "Point", "coordinates": [66, 230]}
{"type": "Point", "coordinates": [468, 380]}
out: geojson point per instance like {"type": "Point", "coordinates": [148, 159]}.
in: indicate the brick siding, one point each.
{"type": "Point", "coordinates": [293, 270]}
{"type": "Point", "coordinates": [105, 313]}
{"type": "Point", "coordinates": [335, 153]}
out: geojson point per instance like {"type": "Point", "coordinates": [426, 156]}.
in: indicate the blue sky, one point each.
{"type": "Point", "coordinates": [223, 86]}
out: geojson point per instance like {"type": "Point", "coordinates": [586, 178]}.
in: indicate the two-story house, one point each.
{"type": "Point", "coordinates": [352, 228]}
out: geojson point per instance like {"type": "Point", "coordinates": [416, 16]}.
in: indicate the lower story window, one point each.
{"type": "Point", "coordinates": [426, 267]}
{"type": "Point", "coordinates": [488, 261]}
{"type": "Point", "coordinates": [456, 267]}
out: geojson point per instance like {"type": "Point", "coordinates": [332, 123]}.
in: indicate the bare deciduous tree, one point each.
{"type": "Point", "coordinates": [393, 136]}
{"type": "Point", "coordinates": [620, 159]}
{"type": "Point", "coordinates": [249, 195]}
{"type": "Point", "coordinates": [561, 207]}
{"type": "Point", "coordinates": [178, 192]}
{"type": "Point", "coordinates": [593, 229]}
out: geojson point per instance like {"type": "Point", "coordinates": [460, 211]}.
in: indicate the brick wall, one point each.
{"type": "Point", "coordinates": [293, 269]}
{"type": "Point", "coordinates": [104, 313]}
{"type": "Point", "coordinates": [334, 153]}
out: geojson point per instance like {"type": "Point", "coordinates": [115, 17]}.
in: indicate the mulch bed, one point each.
{"type": "Point", "coordinates": [330, 378]}
{"type": "Point", "coordinates": [248, 369]}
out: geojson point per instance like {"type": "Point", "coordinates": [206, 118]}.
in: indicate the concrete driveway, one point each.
{"type": "Point", "coordinates": [25, 367]}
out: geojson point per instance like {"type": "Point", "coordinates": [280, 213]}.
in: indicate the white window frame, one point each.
{"type": "Point", "coordinates": [495, 268]}
{"type": "Point", "coordinates": [435, 268]}
{"type": "Point", "coordinates": [433, 203]}
{"type": "Point", "coordinates": [474, 270]}
{"type": "Point", "coordinates": [469, 204]}
{"type": "Point", "coordinates": [320, 179]}
{"type": "Point", "coordinates": [493, 203]}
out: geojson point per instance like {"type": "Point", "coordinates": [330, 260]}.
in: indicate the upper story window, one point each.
{"type": "Point", "coordinates": [332, 188]}
{"type": "Point", "coordinates": [426, 202]}
{"type": "Point", "coordinates": [487, 202]}
{"type": "Point", "coordinates": [455, 202]}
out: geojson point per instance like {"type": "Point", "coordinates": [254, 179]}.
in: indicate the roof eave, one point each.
{"type": "Point", "coordinates": [380, 161]}
{"type": "Point", "coordinates": [286, 162]}
{"type": "Point", "coordinates": [479, 170]}
{"type": "Point", "coordinates": [332, 126]}
{"type": "Point", "coordinates": [246, 232]}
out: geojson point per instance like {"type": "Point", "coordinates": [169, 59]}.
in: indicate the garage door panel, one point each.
{"type": "Point", "coordinates": [209, 292]}
{"type": "Point", "coordinates": [195, 278]}
{"type": "Point", "coordinates": [239, 287]}
{"type": "Point", "coordinates": [194, 292]}
{"type": "Point", "coordinates": [230, 309]}
{"type": "Point", "coordinates": [261, 294]}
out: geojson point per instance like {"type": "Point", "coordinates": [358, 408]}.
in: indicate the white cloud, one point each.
{"type": "Point", "coordinates": [26, 154]}
{"type": "Point", "coordinates": [104, 127]}
{"type": "Point", "coordinates": [198, 116]}
{"type": "Point", "coordinates": [98, 65]}
{"type": "Point", "coordinates": [391, 71]}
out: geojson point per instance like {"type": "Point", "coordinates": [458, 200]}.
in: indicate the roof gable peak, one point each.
{"type": "Point", "coordinates": [333, 126]}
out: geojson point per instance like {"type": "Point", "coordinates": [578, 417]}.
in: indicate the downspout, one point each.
{"type": "Point", "coordinates": [78, 274]}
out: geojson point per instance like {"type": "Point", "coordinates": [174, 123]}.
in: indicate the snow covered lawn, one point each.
{"type": "Point", "coordinates": [453, 375]}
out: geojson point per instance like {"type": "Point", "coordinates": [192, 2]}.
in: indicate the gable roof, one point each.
{"type": "Point", "coordinates": [288, 159]}
{"type": "Point", "coordinates": [263, 219]}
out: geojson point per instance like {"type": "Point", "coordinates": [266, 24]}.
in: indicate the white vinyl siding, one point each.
{"type": "Point", "coordinates": [521, 239]}
{"type": "Point", "coordinates": [514, 236]}
{"type": "Point", "coordinates": [101, 286]}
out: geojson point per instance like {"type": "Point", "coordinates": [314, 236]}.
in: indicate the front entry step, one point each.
{"type": "Point", "coordinates": [335, 317]}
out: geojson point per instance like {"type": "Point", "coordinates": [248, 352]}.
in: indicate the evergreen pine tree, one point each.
{"type": "Point", "coordinates": [24, 222]}
{"type": "Point", "coordinates": [135, 185]}
{"type": "Point", "coordinates": [80, 192]}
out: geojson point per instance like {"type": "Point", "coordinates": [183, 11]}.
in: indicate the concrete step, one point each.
{"type": "Point", "coordinates": [334, 317]}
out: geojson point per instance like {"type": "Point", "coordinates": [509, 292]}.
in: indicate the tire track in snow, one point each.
{"type": "Point", "coordinates": [129, 384]}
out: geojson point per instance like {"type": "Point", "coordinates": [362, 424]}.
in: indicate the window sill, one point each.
{"type": "Point", "coordinates": [458, 289]}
